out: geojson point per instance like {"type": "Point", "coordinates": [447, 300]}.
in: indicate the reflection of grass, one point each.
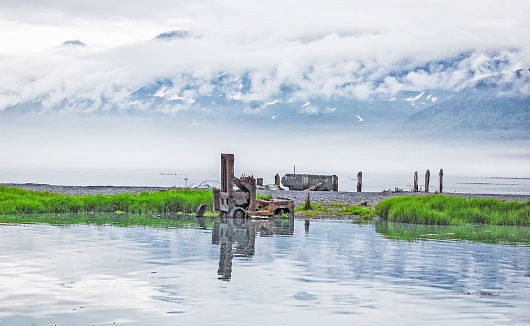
{"type": "Point", "coordinates": [125, 220]}
{"type": "Point", "coordinates": [444, 210]}
{"type": "Point", "coordinates": [19, 201]}
{"type": "Point", "coordinates": [337, 209]}
{"type": "Point", "coordinates": [477, 233]}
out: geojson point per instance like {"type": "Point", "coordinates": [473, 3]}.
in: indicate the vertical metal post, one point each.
{"type": "Point", "coordinates": [252, 193]}
{"type": "Point", "coordinates": [227, 173]}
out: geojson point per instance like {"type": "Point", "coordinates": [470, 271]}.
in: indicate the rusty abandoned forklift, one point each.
{"type": "Point", "coordinates": [243, 203]}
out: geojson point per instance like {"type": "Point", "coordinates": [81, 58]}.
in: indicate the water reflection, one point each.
{"type": "Point", "coordinates": [483, 233]}
{"type": "Point", "coordinates": [237, 237]}
{"type": "Point", "coordinates": [105, 275]}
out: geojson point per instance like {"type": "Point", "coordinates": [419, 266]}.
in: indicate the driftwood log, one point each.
{"type": "Point", "coordinates": [315, 187]}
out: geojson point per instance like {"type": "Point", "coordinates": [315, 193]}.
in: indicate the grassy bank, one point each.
{"type": "Point", "coordinates": [446, 210]}
{"type": "Point", "coordinates": [322, 209]}
{"type": "Point", "coordinates": [483, 233]}
{"type": "Point", "coordinates": [19, 201]}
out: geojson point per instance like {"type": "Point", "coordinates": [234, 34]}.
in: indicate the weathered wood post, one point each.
{"type": "Point", "coordinates": [415, 181]}
{"type": "Point", "coordinates": [277, 179]}
{"type": "Point", "coordinates": [427, 180]}
{"type": "Point", "coordinates": [259, 181]}
{"type": "Point", "coordinates": [441, 180]}
{"type": "Point", "coordinates": [359, 181]}
{"type": "Point", "coordinates": [307, 203]}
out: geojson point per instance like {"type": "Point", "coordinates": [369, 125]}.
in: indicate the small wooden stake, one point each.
{"type": "Point", "coordinates": [416, 181]}
{"type": "Point", "coordinates": [359, 181]}
{"type": "Point", "coordinates": [307, 203]}
{"type": "Point", "coordinates": [427, 180]}
{"type": "Point", "coordinates": [277, 179]}
{"type": "Point", "coordinates": [441, 180]}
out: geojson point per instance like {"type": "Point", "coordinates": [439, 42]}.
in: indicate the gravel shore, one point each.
{"type": "Point", "coordinates": [353, 198]}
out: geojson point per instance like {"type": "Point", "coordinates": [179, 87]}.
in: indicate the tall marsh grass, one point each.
{"type": "Point", "coordinates": [447, 210]}
{"type": "Point", "coordinates": [19, 201]}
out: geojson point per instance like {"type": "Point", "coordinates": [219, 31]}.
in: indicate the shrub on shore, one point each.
{"type": "Point", "coordinates": [445, 210]}
{"type": "Point", "coordinates": [334, 209]}
{"type": "Point", "coordinates": [19, 201]}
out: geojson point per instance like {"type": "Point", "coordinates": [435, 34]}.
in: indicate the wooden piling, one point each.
{"type": "Point", "coordinates": [307, 203]}
{"type": "Point", "coordinates": [359, 181]}
{"type": "Point", "coordinates": [277, 179]}
{"type": "Point", "coordinates": [259, 181]}
{"type": "Point", "coordinates": [441, 180]}
{"type": "Point", "coordinates": [427, 180]}
{"type": "Point", "coordinates": [415, 181]}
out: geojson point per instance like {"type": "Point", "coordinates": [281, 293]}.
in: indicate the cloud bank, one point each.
{"type": "Point", "coordinates": [264, 50]}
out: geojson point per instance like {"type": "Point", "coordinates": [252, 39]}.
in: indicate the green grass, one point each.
{"type": "Point", "coordinates": [493, 234]}
{"type": "Point", "coordinates": [262, 196]}
{"type": "Point", "coordinates": [178, 220]}
{"type": "Point", "coordinates": [333, 209]}
{"type": "Point", "coordinates": [19, 201]}
{"type": "Point", "coordinates": [447, 210]}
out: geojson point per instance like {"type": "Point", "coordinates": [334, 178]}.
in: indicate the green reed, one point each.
{"type": "Point", "coordinates": [19, 201]}
{"type": "Point", "coordinates": [446, 210]}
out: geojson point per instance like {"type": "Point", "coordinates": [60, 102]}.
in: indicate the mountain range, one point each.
{"type": "Point", "coordinates": [498, 106]}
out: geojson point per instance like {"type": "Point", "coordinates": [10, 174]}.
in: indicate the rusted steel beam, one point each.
{"type": "Point", "coordinates": [227, 173]}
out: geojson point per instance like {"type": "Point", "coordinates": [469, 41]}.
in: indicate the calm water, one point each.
{"type": "Point", "coordinates": [347, 182]}
{"type": "Point", "coordinates": [255, 273]}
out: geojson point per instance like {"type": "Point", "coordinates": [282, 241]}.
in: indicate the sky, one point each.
{"type": "Point", "coordinates": [349, 48]}
{"type": "Point", "coordinates": [372, 47]}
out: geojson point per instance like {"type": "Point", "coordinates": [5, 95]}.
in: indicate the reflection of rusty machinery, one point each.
{"type": "Point", "coordinates": [236, 237]}
{"type": "Point", "coordinates": [243, 203]}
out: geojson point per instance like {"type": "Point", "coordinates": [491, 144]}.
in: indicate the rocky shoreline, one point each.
{"type": "Point", "coordinates": [353, 198]}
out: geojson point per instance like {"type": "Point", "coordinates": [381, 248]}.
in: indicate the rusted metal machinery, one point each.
{"type": "Point", "coordinates": [243, 203]}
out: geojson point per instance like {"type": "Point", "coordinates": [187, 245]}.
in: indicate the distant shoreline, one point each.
{"type": "Point", "coordinates": [353, 198]}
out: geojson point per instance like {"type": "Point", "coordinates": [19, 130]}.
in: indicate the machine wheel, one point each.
{"type": "Point", "coordinates": [238, 212]}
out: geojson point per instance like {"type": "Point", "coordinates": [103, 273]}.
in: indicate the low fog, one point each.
{"type": "Point", "coordinates": [162, 145]}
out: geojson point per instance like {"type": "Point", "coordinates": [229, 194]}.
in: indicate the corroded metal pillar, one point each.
{"type": "Point", "coordinates": [227, 173]}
